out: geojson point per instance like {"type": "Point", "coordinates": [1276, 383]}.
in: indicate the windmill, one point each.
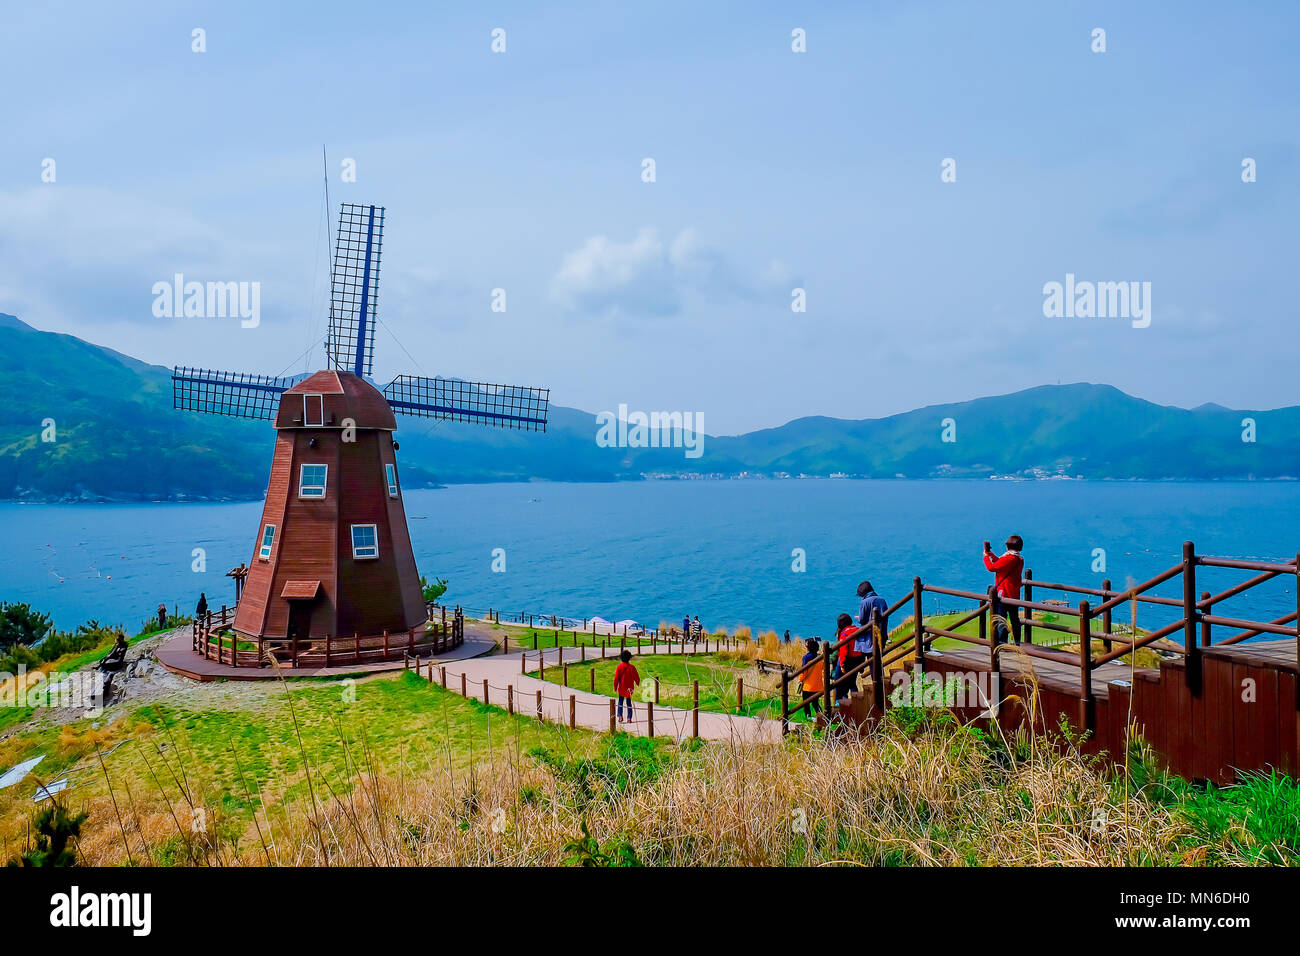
{"type": "Point", "coordinates": [333, 554]}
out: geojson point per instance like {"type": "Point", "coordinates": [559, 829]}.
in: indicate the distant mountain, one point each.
{"type": "Point", "coordinates": [118, 437]}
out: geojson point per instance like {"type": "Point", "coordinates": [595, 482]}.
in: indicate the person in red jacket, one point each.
{"type": "Point", "coordinates": [625, 680]}
{"type": "Point", "coordinates": [1007, 570]}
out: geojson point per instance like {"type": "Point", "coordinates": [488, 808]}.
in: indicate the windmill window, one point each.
{"type": "Point", "coordinates": [365, 541]}
{"type": "Point", "coordinates": [313, 409]}
{"type": "Point", "coordinates": [311, 481]}
{"type": "Point", "coordinates": [268, 538]}
{"type": "Point", "coordinates": [390, 472]}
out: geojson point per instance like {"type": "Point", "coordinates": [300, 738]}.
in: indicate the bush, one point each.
{"type": "Point", "coordinates": [55, 828]}
{"type": "Point", "coordinates": [432, 592]}
{"type": "Point", "coordinates": [20, 625]}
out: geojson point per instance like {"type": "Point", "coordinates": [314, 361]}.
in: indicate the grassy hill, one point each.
{"type": "Point", "coordinates": [118, 437]}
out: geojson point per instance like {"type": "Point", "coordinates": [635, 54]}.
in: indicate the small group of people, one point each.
{"type": "Point", "coordinates": [692, 629]}
{"type": "Point", "coordinates": [1007, 569]}
{"type": "Point", "coordinates": [852, 654]}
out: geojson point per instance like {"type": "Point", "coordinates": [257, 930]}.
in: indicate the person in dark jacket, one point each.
{"type": "Point", "coordinates": [869, 601]}
{"type": "Point", "coordinates": [202, 608]}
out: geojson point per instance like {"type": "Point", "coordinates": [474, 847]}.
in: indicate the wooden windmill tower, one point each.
{"type": "Point", "coordinates": [333, 554]}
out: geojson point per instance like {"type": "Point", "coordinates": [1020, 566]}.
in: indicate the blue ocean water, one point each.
{"type": "Point", "coordinates": [656, 550]}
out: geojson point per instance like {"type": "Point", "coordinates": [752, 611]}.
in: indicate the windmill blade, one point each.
{"type": "Point", "coordinates": [354, 288]}
{"type": "Point", "coordinates": [236, 394]}
{"type": "Point", "coordinates": [450, 399]}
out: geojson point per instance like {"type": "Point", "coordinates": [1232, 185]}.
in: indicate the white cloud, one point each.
{"type": "Point", "coordinates": [645, 276]}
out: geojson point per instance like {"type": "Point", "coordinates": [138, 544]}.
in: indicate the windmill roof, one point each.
{"type": "Point", "coordinates": [345, 396]}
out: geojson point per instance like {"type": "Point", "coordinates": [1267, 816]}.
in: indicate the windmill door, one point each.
{"type": "Point", "coordinates": [300, 619]}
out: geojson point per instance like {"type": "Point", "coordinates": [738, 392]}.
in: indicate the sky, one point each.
{"type": "Point", "coordinates": [774, 170]}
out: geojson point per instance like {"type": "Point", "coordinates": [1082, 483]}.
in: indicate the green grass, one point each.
{"type": "Point", "coordinates": [398, 721]}
{"type": "Point", "coordinates": [717, 677]}
{"type": "Point", "coordinates": [1255, 821]}
{"type": "Point", "coordinates": [523, 638]}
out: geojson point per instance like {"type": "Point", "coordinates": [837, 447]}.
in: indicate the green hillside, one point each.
{"type": "Point", "coordinates": [118, 437]}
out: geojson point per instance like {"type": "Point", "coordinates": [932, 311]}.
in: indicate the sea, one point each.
{"type": "Point", "coordinates": [771, 554]}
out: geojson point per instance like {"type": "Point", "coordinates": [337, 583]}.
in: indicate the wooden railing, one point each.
{"type": "Point", "coordinates": [1091, 625]}
{"type": "Point", "coordinates": [214, 639]}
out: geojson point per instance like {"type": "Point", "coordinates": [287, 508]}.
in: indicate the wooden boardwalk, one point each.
{"type": "Point", "coordinates": [178, 656]}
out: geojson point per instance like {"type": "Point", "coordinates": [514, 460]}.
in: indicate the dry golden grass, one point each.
{"type": "Point", "coordinates": [941, 796]}
{"type": "Point", "coordinates": [934, 793]}
{"type": "Point", "coordinates": [768, 647]}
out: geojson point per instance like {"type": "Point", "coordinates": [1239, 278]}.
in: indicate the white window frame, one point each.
{"type": "Point", "coordinates": [390, 476]}
{"type": "Point", "coordinates": [305, 421]}
{"type": "Point", "coordinates": [365, 557]}
{"type": "Point", "coordinates": [324, 482]}
{"type": "Point", "coordinates": [265, 548]}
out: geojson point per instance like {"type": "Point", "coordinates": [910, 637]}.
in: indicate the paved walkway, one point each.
{"type": "Point", "coordinates": [504, 674]}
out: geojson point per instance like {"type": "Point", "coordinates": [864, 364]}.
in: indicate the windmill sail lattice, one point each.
{"type": "Point", "coordinates": [236, 394]}
{"type": "Point", "coordinates": [354, 288]}
{"type": "Point", "coordinates": [449, 399]}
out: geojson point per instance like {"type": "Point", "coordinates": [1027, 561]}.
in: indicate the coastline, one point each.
{"type": "Point", "coordinates": [90, 498]}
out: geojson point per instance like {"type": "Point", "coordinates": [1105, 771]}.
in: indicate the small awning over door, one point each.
{"type": "Point", "coordinates": [300, 590]}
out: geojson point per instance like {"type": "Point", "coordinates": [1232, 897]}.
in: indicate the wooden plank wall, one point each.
{"type": "Point", "coordinates": [1215, 736]}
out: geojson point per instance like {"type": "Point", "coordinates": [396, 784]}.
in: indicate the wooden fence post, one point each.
{"type": "Point", "coordinates": [656, 690]}
{"type": "Point", "coordinates": [485, 692]}
{"type": "Point", "coordinates": [444, 677]}
{"type": "Point", "coordinates": [539, 706]}
{"type": "Point", "coordinates": [1297, 626]}
{"type": "Point", "coordinates": [1085, 666]}
{"type": "Point", "coordinates": [826, 677]}
{"type": "Point", "coordinates": [463, 687]}
{"type": "Point", "coordinates": [510, 699]}
{"type": "Point", "coordinates": [695, 709]}
{"type": "Point", "coordinates": [650, 718]}
{"type": "Point", "coordinates": [611, 713]}
{"type": "Point", "coordinates": [740, 695]}
{"type": "Point", "coordinates": [878, 637]}
{"type": "Point", "coordinates": [918, 626]}
{"type": "Point", "coordinates": [573, 712]}
{"type": "Point", "coordinates": [1105, 615]}
{"type": "Point", "coordinates": [985, 627]}
{"type": "Point", "coordinates": [1027, 625]}
{"type": "Point", "coordinates": [785, 701]}
{"type": "Point", "coordinates": [1206, 637]}
{"type": "Point", "coordinates": [1192, 653]}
